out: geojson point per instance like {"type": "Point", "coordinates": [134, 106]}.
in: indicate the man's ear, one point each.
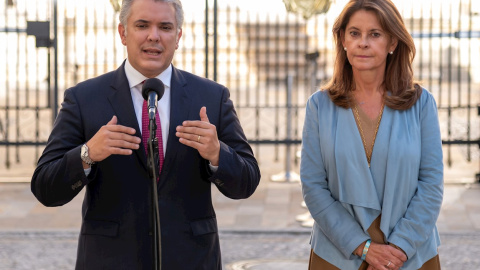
{"type": "Point", "coordinates": [179, 35]}
{"type": "Point", "coordinates": [122, 32]}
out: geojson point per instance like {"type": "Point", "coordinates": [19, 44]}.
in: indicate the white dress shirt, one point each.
{"type": "Point", "coordinates": [135, 79]}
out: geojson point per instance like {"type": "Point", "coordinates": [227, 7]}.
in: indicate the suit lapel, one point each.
{"type": "Point", "coordinates": [179, 111]}
{"type": "Point", "coordinates": [121, 100]}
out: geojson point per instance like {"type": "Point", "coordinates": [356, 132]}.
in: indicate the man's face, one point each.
{"type": "Point", "coordinates": [151, 36]}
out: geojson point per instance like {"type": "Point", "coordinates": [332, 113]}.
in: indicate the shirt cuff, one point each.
{"type": "Point", "coordinates": [214, 169]}
{"type": "Point", "coordinates": [87, 171]}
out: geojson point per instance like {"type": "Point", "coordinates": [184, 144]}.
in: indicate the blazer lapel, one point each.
{"type": "Point", "coordinates": [121, 100]}
{"type": "Point", "coordinates": [353, 172]}
{"type": "Point", "coordinates": [381, 150]}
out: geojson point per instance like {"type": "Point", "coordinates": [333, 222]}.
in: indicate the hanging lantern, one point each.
{"type": "Point", "coordinates": [307, 8]}
{"type": "Point", "coordinates": [116, 4]}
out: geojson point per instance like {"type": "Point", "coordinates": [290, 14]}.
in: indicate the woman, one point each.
{"type": "Point", "coordinates": [371, 170]}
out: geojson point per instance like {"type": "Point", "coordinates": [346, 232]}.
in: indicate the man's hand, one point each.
{"type": "Point", "coordinates": [202, 136]}
{"type": "Point", "coordinates": [112, 139]}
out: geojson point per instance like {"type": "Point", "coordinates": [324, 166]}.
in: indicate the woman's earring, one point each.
{"type": "Point", "coordinates": [345, 48]}
{"type": "Point", "coordinates": [391, 52]}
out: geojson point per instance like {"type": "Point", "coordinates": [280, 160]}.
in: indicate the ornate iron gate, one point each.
{"type": "Point", "coordinates": [271, 61]}
{"type": "Point", "coordinates": [27, 98]}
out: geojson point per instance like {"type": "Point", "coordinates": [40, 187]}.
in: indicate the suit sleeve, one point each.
{"type": "Point", "coordinates": [238, 174]}
{"type": "Point", "coordinates": [59, 175]}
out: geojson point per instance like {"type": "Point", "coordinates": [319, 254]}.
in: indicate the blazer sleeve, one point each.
{"type": "Point", "coordinates": [333, 219]}
{"type": "Point", "coordinates": [59, 175]}
{"type": "Point", "coordinates": [418, 222]}
{"type": "Point", "coordinates": [238, 174]}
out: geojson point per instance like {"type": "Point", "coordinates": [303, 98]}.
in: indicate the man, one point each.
{"type": "Point", "coordinates": [96, 142]}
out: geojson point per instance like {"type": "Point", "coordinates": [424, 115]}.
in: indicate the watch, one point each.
{"type": "Point", "coordinates": [84, 155]}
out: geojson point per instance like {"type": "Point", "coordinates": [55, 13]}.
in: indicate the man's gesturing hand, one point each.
{"type": "Point", "coordinates": [112, 139]}
{"type": "Point", "coordinates": [202, 136]}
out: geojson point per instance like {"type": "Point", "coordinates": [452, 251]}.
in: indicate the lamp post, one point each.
{"type": "Point", "coordinates": [307, 8]}
{"type": "Point", "coordinates": [116, 4]}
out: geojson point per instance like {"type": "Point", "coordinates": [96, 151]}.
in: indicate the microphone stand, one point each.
{"type": "Point", "coordinates": [152, 161]}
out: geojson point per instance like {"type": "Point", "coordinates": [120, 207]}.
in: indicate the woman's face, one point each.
{"type": "Point", "coordinates": [367, 44]}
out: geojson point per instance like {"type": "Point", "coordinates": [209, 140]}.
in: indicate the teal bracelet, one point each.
{"type": "Point", "coordinates": [365, 249]}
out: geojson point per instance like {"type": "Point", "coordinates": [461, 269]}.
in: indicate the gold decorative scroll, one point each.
{"type": "Point", "coordinates": [307, 8]}
{"type": "Point", "coordinates": [116, 4]}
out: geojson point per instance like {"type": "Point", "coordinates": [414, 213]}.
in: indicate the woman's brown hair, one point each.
{"type": "Point", "coordinates": [398, 81]}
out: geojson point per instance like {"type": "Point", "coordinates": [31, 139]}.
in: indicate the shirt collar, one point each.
{"type": "Point", "coordinates": [134, 77]}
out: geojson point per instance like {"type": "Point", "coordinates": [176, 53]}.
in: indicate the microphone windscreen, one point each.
{"type": "Point", "coordinates": [153, 84]}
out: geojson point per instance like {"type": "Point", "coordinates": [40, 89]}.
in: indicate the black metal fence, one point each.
{"type": "Point", "coordinates": [270, 60]}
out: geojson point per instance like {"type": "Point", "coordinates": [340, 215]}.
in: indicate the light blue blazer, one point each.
{"type": "Point", "coordinates": [404, 183]}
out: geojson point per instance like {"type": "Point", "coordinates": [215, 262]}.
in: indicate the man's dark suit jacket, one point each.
{"type": "Point", "coordinates": [116, 215]}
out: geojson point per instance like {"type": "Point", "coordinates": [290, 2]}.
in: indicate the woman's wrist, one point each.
{"type": "Point", "coordinates": [397, 247]}
{"type": "Point", "coordinates": [358, 251]}
{"type": "Point", "coordinates": [365, 249]}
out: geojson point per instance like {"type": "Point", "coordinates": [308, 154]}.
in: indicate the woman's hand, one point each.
{"type": "Point", "coordinates": [383, 257]}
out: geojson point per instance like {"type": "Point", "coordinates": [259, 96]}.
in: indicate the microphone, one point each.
{"type": "Point", "coordinates": [152, 91]}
